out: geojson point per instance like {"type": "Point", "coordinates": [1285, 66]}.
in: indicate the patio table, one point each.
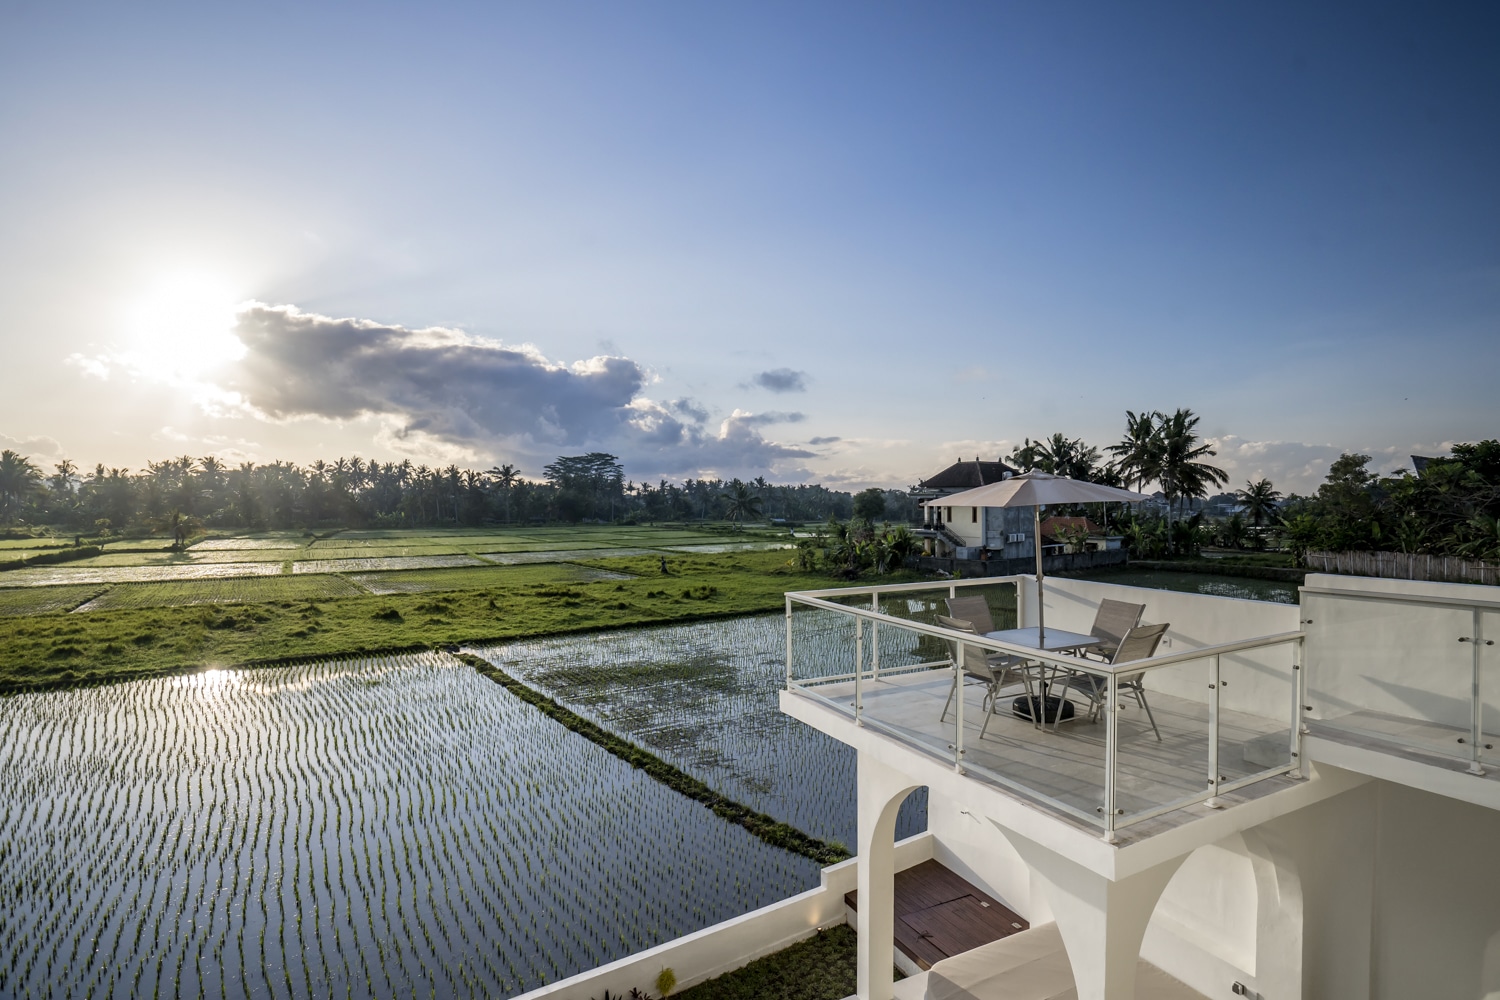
{"type": "Point", "coordinates": [1057, 641]}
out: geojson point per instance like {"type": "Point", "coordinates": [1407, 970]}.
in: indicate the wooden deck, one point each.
{"type": "Point", "coordinates": [1067, 765]}
{"type": "Point", "coordinates": [939, 914]}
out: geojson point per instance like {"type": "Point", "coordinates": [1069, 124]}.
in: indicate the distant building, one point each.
{"type": "Point", "coordinates": [1056, 532]}
{"type": "Point", "coordinates": [994, 532]}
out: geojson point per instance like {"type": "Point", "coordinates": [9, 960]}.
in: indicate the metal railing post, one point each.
{"type": "Point", "coordinates": [1298, 692]}
{"type": "Point", "coordinates": [1213, 729]}
{"type": "Point", "coordinates": [1111, 757]}
{"type": "Point", "coordinates": [875, 637]}
{"type": "Point", "coordinates": [1476, 708]}
{"type": "Point", "coordinates": [788, 642]}
{"type": "Point", "coordinates": [958, 713]}
{"type": "Point", "coordinates": [859, 670]}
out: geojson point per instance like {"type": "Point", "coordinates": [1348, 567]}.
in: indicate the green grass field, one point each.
{"type": "Point", "coordinates": [63, 649]}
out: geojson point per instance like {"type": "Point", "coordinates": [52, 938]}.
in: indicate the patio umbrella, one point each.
{"type": "Point", "coordinates": [1037, 490]}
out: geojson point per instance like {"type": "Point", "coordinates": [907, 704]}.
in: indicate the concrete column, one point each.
{"type": "Point", "coordinates": [1101, 921]}
{"type": "Point", "coordinates": [881, 791]}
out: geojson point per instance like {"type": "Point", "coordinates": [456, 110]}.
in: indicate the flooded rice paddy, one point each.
{"type": "Point", "coordinates": [704, 696]}
{"type": "Point", "coordinates": [1212, 584]}
{"type": "Point", "coordinates": [388, 827]}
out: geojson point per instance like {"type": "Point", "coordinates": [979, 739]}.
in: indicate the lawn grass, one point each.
{"type": "Point", "coordinates": [63, 649]}
{"type": "Point", "coordinates": [822, 967]}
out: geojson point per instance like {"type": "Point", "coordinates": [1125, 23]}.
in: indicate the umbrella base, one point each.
{"type": "Point", "coordinates": [1051, 708]}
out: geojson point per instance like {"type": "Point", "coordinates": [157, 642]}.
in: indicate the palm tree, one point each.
{"type": "Point", "coordinates": [1064, 456]}
{"type": "Point", "coordinates": [1260, 500]}
{"type": "Point", "coordinates": [19, 479]}
{"type": "Point", "coordinates": [1138, 454]}
{"type": "Point", "coordinates": [1026, 456]}
{"type": "Point", "coordinates": [741, 502]}
{"type": "Point", "coordinates": [1181, 475]}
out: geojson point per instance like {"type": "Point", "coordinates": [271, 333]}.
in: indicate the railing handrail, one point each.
{"type": "Point", "coordinates": [1431, 599]}
{"type": "Point", "coordinates": [896, 588]}
{"type": "Point", "coordinates": [1062, 660]}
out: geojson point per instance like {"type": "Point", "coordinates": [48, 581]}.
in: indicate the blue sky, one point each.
{"type": "Point", "coordinates": [959, 224]}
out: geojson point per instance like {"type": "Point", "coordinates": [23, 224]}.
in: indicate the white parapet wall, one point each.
{"type": "Point", "coordinates": [732, 944]}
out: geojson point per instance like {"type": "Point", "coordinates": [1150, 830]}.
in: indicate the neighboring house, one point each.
{"type": "Point", "coordinates": [1058, 534]}
{"type": "Point", "coordinates": [1004, 534]}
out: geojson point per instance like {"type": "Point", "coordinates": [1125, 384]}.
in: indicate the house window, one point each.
{"type": "Point", "coordinates": [950, 515]}
{"type": "Point", "coordinates": [974, 515]}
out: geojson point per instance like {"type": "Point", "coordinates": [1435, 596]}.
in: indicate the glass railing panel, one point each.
{"type": "Point", "coordinates": [1163, 751]}
{"type": "Point", "coordinates": [1489, 688]}
{"type": "Point", "coordinates": [1054, 755]}
{"type": "Point", "coordinates": [1390, 671]}
{"type": "Point", "coordinates": [1255, 711]}
{"type": "Point", "coordinates": [912, 695]}
{"type": "Point", "coordinates": [822, 653]}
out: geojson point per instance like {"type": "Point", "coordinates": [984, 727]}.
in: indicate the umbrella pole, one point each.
{"type": "Point", "coordinates": [1036, 527]}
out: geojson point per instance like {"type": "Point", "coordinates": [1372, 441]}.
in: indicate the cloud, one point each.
{"type": "Point", "coordinates": [770, 417]}
{"type": "Point", "coordinates": [825, 440]}
{"type": "Point", "coordinates": [440, 382]}
{"type": "Point", "coordinates": [94, 367]}
{"type": "Point", "coordinates": [444, 392]}
{"type": "Point", "coordinates": [781, 380]}
{"type": "Point", "coordinates": [32, 447]}
{"type": "Point", "coordinates": [690, 408]}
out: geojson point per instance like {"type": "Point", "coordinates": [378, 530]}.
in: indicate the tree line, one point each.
{"type": "Point", "coordinates": [1450, 506]}
{"type": "Point", "coordinates": [182, 494]}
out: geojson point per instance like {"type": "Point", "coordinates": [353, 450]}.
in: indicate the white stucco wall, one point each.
{"type": "Point", "coordinates": [969, 846]}
{"type": "Point", "coordinates": [1259, 681]}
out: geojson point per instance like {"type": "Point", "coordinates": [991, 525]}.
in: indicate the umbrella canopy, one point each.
{"type": "Point", "coordinates": [1037, 490]}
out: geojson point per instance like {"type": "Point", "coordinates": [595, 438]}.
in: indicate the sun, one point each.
{"type": "Point", "coordinates": [182, 326]}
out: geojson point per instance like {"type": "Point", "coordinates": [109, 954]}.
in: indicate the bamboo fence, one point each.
{"type": "Point", "coordinates": [1404, 566]}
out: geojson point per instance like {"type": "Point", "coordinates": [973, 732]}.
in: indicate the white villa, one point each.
{"type": "Point", "coordinates": [964, 531]}
{"type": "Point", "coordinates": [1311, 808]}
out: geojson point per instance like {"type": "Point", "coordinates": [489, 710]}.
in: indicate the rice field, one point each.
{"type": "Point", "coordinates": [9, 545]}
{"type": "Point", "coordinates": [189, 557]}
{"type": "Point", "coordinates": [243, 542]}
{"type": "Point", "coordinates": [235, 590]}
{"type": "Point", "coordinates": [382, 563]}
{"type": "Point", "coordinates": [561, 555]}
{"type": "Point", "coordinates": [704, 696]}
{"type": "Point", "coordinates": [479, 577]}
{"type": "Point", "coordinates": [388, 827]}
{"type": "Point", "coordinates": [22, 601]}
{"type": "Point", "coordinates": [721, 547]}
{"type": "Point", "coordinates": [68, 573]}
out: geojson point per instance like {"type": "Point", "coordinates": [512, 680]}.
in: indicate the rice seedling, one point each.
{"type": "Point", "coordinates": [382, 563]}
{"type": "Point", "coordinates": [559, 555]}
{"type": "Point", "coordinates": [49, 576]}
{"type": "Point", "coordinates": [20, 601]}
{"type": "Point", "coordinates": [233, 590]}
{"type": "Point", "coordinates": [391, 826]}
{"type": "Point", "coordinates": [703, 696]}
{"type": "Point", "coordinates": [423, 581]}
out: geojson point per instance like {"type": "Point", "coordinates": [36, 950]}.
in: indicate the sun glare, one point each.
{"type": "Point", "coordinates": [182, 326]}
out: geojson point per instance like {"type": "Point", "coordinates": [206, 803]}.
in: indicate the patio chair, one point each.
{"type": "Point", "coordinates": [973, 609]}
{"type": "Point", "coordinates": [1138, 644]}
{"type": "Point", "coordinates": [1111, 622]}
{"type": "Point", "coordinates": [993, 670]}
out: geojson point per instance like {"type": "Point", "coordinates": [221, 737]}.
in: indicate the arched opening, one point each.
{"type": "Point", "coordinates": [1232, 912]}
